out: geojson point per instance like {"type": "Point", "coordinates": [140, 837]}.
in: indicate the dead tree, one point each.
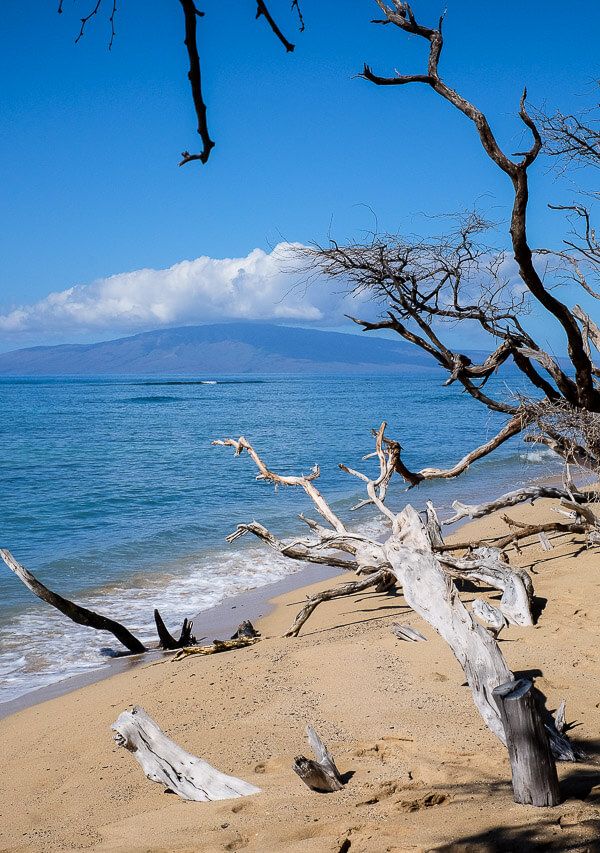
{"type": "Point", "coordinates": [427, 284]}
{"type": "Point", "coordinates": [422, 571]}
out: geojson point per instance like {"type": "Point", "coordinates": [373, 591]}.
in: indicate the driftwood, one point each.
{"type": "Point", "coordinates": [529, 493]}
{"type": "Point", "coordinates": [559, 718]}
{"type": "Point", "coordinates": [329, 594]}
{"type": "Point", "coordinates": [405, 632]}
{"type": "Point", "coordinates": [494, 619]}
{"type": "Point", "coordinates": [78, 614]}
{"type": "Point", "coordinates": [245, 630]}
{"type": "Point", "coordinates": [215, 647]}
{"type": "Point", "coordinates": [321, 775]}
{"type": "Point", "coordinates": [423, 573]}
{"type": "Point", "coordinates": [163, 761]}
{"type": "Point", "coordinates": [486, 565]}
{"type": "Point", "coordinates": [534, 776]}
{"type": "Point", "coordinates": [166, 639]}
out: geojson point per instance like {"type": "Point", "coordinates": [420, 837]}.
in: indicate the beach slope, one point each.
{"type": "Point", "coordinates": [423, 771]}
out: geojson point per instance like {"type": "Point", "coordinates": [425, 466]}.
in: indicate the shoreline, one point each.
{"type": "Point", "coordinates": [218, 621]}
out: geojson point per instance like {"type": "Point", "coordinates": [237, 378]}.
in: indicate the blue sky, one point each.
{"type": "Point", "coordinates": [90, 140]}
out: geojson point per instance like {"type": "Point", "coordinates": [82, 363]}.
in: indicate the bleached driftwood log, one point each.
{"type": "Point", "coordinates": [163, 761]}
{"type": "Point", "coordinates": [408, 555]}
{"type": "Point", "coordinates": [321, 775]}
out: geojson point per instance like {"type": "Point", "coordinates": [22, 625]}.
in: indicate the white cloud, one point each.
{"type": "Point", "coordinates": [259, 286]}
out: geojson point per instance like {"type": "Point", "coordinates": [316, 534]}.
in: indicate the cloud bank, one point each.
{"type": "Point", "coordinates": [259, 286]}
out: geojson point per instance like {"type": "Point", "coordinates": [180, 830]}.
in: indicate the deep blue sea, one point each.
{"type": "Point", "coordinates": [113, 495]}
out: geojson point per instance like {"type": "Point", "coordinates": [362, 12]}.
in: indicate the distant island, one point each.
{"type": "Point", "coordinates": [224, 348]}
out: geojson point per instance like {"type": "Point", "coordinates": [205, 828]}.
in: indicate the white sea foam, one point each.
{"type": "Point", "coordinates": [543, 454]}
{"type": "Point", "coordinates": [57, 649]}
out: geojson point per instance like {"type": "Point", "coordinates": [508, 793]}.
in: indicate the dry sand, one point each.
{"type": "Point", "coordinates": [426, 773]}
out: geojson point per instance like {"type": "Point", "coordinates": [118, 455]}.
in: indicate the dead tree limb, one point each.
{"type": "Point", "coordinates": [167, 640]}
{"type": "Point", "coordinates": [78, 614]}
{"type": "Point", "coordinates": [487, 565]}
{"type": "Point", "coordinates": [329, 594]}
{"type": "Point", "coordinates": [528, 493]}
{"type": "Point", "coordinates": [165, 762]}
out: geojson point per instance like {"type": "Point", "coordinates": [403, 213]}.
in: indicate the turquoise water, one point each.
{"type": "Point", "coordinates": [114, 496]}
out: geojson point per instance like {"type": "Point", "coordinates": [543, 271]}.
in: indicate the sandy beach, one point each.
{"type": "Point", "coordinates": [424, 772]}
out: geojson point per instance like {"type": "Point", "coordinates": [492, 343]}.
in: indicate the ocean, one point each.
{"type": "Point", "coordinates": [114, 496]}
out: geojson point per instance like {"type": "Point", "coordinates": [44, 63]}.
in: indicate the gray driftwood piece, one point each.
{"type": "Point", "coordinates": [163, 761]}
{"type": "Point", "coordinates": [405, 632]}
{"type": "Point", "coordinates": [321, 775]}
{"type": "Point", "coordinates": [534, 777]}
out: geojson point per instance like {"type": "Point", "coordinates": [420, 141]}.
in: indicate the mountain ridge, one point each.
{"type": "Point", "coordinates": [220, 348]}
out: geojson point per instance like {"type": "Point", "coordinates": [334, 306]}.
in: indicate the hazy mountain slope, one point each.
{"type": "Point", "coordinates": [219, 349]}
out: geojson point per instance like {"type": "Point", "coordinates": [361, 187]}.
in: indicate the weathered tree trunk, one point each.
{"type": "Point", "coordinates": [321, 775]}
{"type": "Point", "coordinates": [534, 777]}
{"type": "Point", "coordinates": [78, 614]}
{"type": "Point", "coordinates": [433, 595]}
{"type": "Point", "coordinates": [163, 761]}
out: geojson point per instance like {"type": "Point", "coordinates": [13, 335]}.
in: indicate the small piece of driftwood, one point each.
{"type": "Point", "coordinates": [493, 618]}
{"type": "Point", "coordinates": [405, 632]}
{"type": "Point", "coordinates": [534, 777]}
{"type": "Point", "coordinates": [215, 647]}
{"type": "Point", "coordinates": [163, 761]}
{"type": "Point", "coordinates": [559, 718]}
{"type": "Point", "coordinates": [245, 629]}
{"type": "Point", "coordinates": [321, 775]}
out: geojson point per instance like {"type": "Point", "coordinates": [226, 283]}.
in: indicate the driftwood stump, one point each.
{"type": "Point", "coordinates": [534, 777]}
{"type": "Point", "coordinates": [321, 775]}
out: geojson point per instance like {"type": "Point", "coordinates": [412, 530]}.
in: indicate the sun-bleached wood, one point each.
{"type": "Point", "coordinates": [405, 632]}
{"type": "Point", "coordinates": [165, 762]}
{"type": "Point", "coordinates": [423, 573]}
{"type": "Point", "coordinates": [493, 618]}
{"type": "Point", "coordinates": [486, 565]}
{"type": "Point", "coordinates": [321, 775]}
{"type": "Point", "coordinates": [329, 594]}
{"type": "Point", "coordinates": [528, 493]}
